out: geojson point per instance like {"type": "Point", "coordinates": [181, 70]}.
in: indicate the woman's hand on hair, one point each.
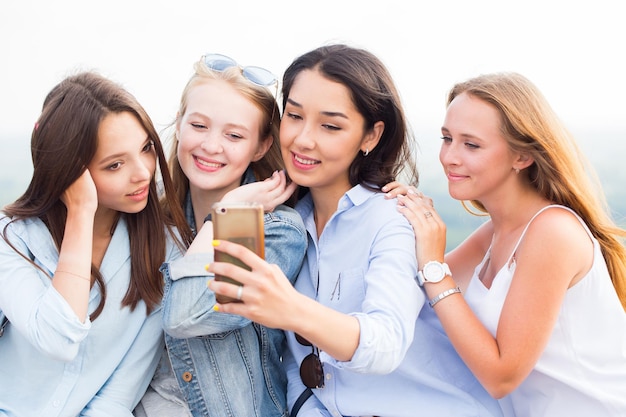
{"type": "Point", "coordinates": [82, 194]}
{"type": "Point", "coordinates": [271, 192]}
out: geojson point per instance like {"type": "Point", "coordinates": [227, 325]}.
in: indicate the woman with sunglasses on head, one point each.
{"type": "Point", "coordinates": [225, 143]}
{"type": "Point", "coordinates": [542, 322]}
{"type": "Point", "coordinates": [80, 254]}
{"type": "Point", "coordinates": [360, 341]}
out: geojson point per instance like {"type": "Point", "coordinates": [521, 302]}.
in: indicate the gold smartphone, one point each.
{"type": "Point", "coordinates": [241, 223]}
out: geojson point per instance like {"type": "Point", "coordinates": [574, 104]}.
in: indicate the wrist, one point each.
{"type": "Point", "coordinates": [444, 294]}
{"type": "Point", "coordinates": [80, 213]}
{"type": "Point", "coordinates": [431, 289]}
{"type": "Point", "coordinates": [433, 272]}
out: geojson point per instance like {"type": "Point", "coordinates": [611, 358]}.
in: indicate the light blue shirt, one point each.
{"type": "Point", "coordinates": [404, 364]}
{"type": "Point", "coordinates": [51, 364]}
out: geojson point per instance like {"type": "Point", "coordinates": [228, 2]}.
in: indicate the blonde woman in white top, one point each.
{"type": "Point", "coordinates": [541, 322]}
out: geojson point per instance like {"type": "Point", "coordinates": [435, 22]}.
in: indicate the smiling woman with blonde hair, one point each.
{"type": "Point", "coordinates": [542, 322]}
{"type": "Point", "coordinates": [226, 149]}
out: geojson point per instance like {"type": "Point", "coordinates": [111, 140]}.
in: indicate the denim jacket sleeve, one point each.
{"type": "Point", "coordinates": [285, 241]}
{"type": "Point", "coordinates": [188, 303]}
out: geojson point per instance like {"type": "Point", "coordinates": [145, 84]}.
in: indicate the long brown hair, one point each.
{"type": "Point", "coordinates": [560, 172]}
{"type": "Point", "coordinates": [63, 143]}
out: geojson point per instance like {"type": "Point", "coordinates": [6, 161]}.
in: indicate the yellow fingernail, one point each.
{"type": "Point", "coordinates": [216, 308]}
{"type": "Point", "coordinates": [216, 242]}
{"type": "Point", "coordinates": [206, 267]}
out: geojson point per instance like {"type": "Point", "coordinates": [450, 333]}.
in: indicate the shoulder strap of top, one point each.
{"type": "Point", "coordinates": [538, 213]}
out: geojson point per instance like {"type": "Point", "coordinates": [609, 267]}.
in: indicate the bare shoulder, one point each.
{"type": "Point", "coordinates": [557, 223]}
{"type": "Point", "coordinates": [556, 236]}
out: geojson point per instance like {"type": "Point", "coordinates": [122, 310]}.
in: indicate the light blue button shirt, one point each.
{"type": "Point", "coordinates": [51, 364]}
{"type": "Point", "coordinates": [404, 364]}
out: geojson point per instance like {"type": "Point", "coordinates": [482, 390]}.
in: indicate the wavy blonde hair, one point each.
{"type": "Point", "coordinates": [270, 124]}
{"type": "Point", "coordinates": [560, 172]}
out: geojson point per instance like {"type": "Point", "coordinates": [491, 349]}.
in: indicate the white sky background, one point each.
{"type": "Point", "coordinates": [573, 50]}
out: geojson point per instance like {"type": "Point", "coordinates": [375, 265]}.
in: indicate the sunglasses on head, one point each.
{"type": "Point", "coordinates": [311, 370]}
{"type": "Point", "coordinates": [256, 75]}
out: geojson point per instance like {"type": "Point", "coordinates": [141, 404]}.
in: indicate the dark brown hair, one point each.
{"type": "Point", "coordinates": [63, 143]}
{"type": "Point", "coordinates": [376, 98]}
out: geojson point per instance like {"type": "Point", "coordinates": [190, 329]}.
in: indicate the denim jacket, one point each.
{"type": "Point", "coordinates": [226, 365]}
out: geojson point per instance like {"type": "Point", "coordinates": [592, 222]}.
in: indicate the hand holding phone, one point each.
{"type": "Point", "coordinates": [240, 223]}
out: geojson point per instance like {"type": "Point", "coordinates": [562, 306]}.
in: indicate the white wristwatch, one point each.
{"type": "Point", "coordinates": [433, 271]}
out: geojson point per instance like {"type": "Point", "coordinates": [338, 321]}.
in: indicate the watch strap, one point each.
{"type": "Point", "coordinates": [420, 278]}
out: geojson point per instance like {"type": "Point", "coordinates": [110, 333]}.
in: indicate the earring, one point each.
{"type": "Point", "coordinates": [367, 152]}
{"type": "Point", "coordinates": [517, 170]}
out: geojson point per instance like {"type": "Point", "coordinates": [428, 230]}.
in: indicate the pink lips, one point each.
{"type": "Point", "coordinates": [208, 164]}
{"type": "Point", "coordinates": [140, 194]}
{"type": "Point", "coordinates": [303, 162]}
{"type": "Point", "coordinates": [455, 177]}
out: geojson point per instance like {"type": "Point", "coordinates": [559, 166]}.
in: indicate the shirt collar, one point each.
{"type": "Point", "coordinates": [355, 196]}
{"type": "Point", "coordinates": [358, 195]}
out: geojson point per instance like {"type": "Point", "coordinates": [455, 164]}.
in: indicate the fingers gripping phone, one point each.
{"type": "Point", "coordinates": [240, 223]}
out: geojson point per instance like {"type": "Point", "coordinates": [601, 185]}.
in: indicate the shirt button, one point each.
{"type": "Point", "coordinates": [56, 403]}
{"type": "Point", "coordinates": [329, 376]}
{"type": "Point", "coordinates": [187, 376]}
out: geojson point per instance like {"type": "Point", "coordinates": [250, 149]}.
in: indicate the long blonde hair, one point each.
{"type": "Point", "coordinates": [560, 172]}
{"type": "Point", "coordinates": [270, 124]}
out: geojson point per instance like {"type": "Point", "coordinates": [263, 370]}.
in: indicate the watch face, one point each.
{"type": "Point", "coordinates": [433, 272]}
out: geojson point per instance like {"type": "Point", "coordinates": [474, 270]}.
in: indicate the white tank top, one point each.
{"type": "Point", "coordinates": [582, 371]}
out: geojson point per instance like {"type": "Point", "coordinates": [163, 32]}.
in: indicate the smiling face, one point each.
{"type": "Point", "coordinates": [321, 133]}
{"type": "Point", "coordinates": [474, 154]}
{"type": "Point", "coordinates": [123, 164]}
{"type": "Point", "coordinates": [218, 137]}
